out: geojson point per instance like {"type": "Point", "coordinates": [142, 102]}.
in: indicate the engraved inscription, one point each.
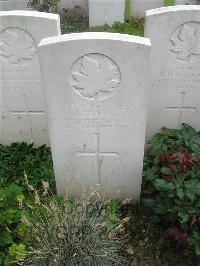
{"type": "Point", "coordinates": [95, 116]}
{"type": "Point", "coordinates": [17, 46]}
{"type": "Point", "coordinates": [95, 76]}
{"type": "Point", "coordinates": [185, 42]}
{"type": "Point", "coordinates": [180, 78]}
{"type": "Point", "coordinates": [97, 155]}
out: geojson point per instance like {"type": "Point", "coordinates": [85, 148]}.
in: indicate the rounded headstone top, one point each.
{"type": "Point", "coordinates": [24, 13]}
{"type": "Point", "coordinates": [168, 9]}
{"type": "Point", "coordinates": [96, 36]}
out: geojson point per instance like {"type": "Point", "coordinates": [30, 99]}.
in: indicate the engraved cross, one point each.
{"type": "Point", "coordinates": [97, 155]}
{"type": "Point", "coordinates": [28, 113]}
{"type": "Point", "coordinates": [181, 108]}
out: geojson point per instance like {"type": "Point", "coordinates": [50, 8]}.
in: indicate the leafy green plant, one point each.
{"type": "Point", "coordinates": [50, 6]}
{"type": "Point", "coordinates": [16, 253]}
{"type": "Point", "coordinates": [134, 27]}
{"type": "Point", "coordinates": [15, 161]}
{"type": "Point", "coordinates": [12, 201]}
{"type": "Point", "coordinates": [111, 211]}
{"type": "Point", "coordinates": [21, 158]}
{"type": "Point", "coordinates": [73, 231]}
{"type": "Point", "coordinates": [171, 185]}
{"type": "Point", "coordinates": [194, 241]}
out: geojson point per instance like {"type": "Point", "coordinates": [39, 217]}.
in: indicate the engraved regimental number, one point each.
{"type": "Point", "coordinates": [17, 46]}
{"type": "Point", "coordinates": [95, 76]}
{"type": "Point", "coordinates": [185, 42]}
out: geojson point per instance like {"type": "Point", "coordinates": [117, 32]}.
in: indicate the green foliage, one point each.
{"type": "Point", "coordinates": [194, 241]}
{"type": "Point", "coordinates": [127, 10]}
{"type": "Point", "coordinates": [111, 212]}
{"type": "Point", "coordinates": [133, 28]}
{"type": "Point", "coordinates": [12, 202]}
{"type": "Point", "coordinates": [16, 253]}
{"type": "Point", "coordinates": [24, 158]}
{"type": "Point", "coordinates": [169, 2]}
{"type": "Point", "coordinates": [171, 185]}
{"type": "Point", "coordinates": [15, 161]}
{"type": "Point", "coordinates": [50, 6]}
{"type": "Point", "coordinates": [74, 20]}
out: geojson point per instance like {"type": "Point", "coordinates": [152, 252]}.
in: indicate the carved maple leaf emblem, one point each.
{"type": "Point", "coordinates": [17, 46]}
{"type": "Point", "coordinates": [97, 77]}
{"type": "Point", "coordinates": [186, 43]}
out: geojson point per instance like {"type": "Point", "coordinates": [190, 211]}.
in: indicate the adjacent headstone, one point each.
{"type": "Point", "coordinates": [73, 4]}
{"type": "Point", "coordinates": [94, 86]}
{"type": "Point", "coordinates": [139, 7]}
{"type": "Point", "coordinates": [174, 94]}
{"type": "Point", "coordinates": [103, 12]}
{"type": "Point", "coordinates": [7, 5]}
{"type": "Point", "coordinates": [22, 101]}
{"type": "Point", "coordinates": [185, 2]}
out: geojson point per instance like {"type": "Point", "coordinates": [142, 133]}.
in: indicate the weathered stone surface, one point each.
{"type": "Point", "coordinates": [7, 5]}
{"type": "Point", "coordinates": [175, 67]}
{"type": "Point", "coordinates": [139, 7]}
{"type": "Point", "coordinates": [94, 86]}
{"type": "Point", "coordinates": [185, 2]}
{"type": "Point", "coordinates": [22, 102]}
{"type": "Point", "coordinates": [106, 12]}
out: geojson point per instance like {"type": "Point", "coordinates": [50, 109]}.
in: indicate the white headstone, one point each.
{"type": "Point", "coordinates": [174, 94]}
{"type": "Point", "coordinates": [103, 12]}
{"type": "Point", "coordinates": [6, 5]}
{"type": "Point", "coordinates": [185, 2]}
{"type": "Point", "coordinates": [72, 4]}
{"type": "Point", "coordinates": [22, 101]}
{"type": "Point", "coordinates": [139, 7]}
{"type": "Point", "coordinates": [94, 86]}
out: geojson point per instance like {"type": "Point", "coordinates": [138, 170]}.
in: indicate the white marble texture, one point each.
{"type": "Point", "coordinates": [185, 2]}
{"type": "Point", "coordinates": [22, 102]}
{"type": "Point", "coordinates": [139, 7]}
{"type": "Point", "coordinates": [94, 88]}
{"type": "Point", "coordinates": [7, 5]}
{"type": "Point", "coordinates": [103, 12]}
{"type": "Point", "coordinates": [174, 94]}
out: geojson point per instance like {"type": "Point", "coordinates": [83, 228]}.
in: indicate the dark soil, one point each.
{"type": "Point", "coordinates": [149, 244]}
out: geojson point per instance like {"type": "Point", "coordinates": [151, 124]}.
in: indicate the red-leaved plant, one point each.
{"type": "Point", "coordinates": [177, 161]}
{"type": "Point", "coordinates": [171, 184]}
